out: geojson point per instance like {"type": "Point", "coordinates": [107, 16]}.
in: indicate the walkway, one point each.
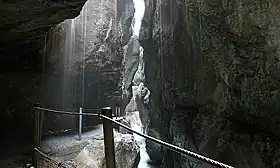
{"type": "Point", "coordinates": [57, 144]}
{"type": "Point", "coordinates": [16, 149]}
{"type": "Point", "coordinates": [67, 146]}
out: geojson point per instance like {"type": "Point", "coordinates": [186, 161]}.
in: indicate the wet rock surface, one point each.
{"type": "Point", "coordinates": [21, 20]}
{"type": "Point", "coordinates": [121, 129]}
{"type": "Point", "coordinates": [153, 149]}
{"type": "Point", "coordinates": [212, 68]}
{"type": "Point", "coordinates": [131, 65]}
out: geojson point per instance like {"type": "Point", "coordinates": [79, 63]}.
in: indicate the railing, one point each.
{"type": "Point", "coordinates": [106, 116]}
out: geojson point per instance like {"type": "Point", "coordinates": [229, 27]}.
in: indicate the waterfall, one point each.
{"type": "Point", "coordinates": [71, 43]}
{"type": "Point", "coordinates": [70, 47]}
{"type": "Point", "coordinates": [73, 80]}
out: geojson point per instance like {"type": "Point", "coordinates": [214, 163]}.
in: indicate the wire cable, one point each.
{"type": "Point", "coordinates": [173, 147]}
{"type": "Point", "coordinates": [162, 143]}
{"type": "Point", "coordinates": [65, 112]}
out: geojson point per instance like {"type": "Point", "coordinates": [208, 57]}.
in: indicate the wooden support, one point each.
{"type": "Point", "coordinates": [41, 122]}
{"type": "Point", "coordinates": [35, 134]}
{"type": "Point", "coordinates": [38, 126]}
{"type": "Point", "coordinates": [108, 138]}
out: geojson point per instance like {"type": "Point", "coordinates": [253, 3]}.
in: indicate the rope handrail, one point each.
{"type": "Point", "coordinates": [65, 112]}
{"type": "Point", "coordinates": [162, 143]}
{"type": "Point", "coordinates": [52, 160]}
{"type": "Point", "coordinates": [87, 110]}
{"type": "Point", "coordinates": [172, 147]}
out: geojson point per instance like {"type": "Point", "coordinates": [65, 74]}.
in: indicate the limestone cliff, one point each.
{"type": "Point", "coordinates": [212, 69]}
{"type": "Point", "coordinates": [30, 19]}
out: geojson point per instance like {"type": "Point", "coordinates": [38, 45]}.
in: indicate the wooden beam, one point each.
{"type": "Point", "coordinates": [108, 138]}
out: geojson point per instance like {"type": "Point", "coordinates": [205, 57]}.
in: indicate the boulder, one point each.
{"type": "Point", "coordinates": [153, 149]}
{"type": "Point", "coordinates": [127, 153]}
{"type": "Point", "coordinates": [121, 129]}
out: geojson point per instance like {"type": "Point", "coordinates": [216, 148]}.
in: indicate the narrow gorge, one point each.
{"type": "Point", "coordinates": [199, 74]}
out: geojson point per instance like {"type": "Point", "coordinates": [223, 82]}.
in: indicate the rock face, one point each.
{"type": "Point", "coordinates": [22, 26]}
{"type": "Point", "coordinates": [121, 129]}
{"type": "Point", "coordinates": [154, 150]}
{"type": "Point", "coordinates": [138, 103]}
{"type": "Point", "coordinates": [126, 151]}
{"type": "Point", "coordinates": [85, 60]}
{"type": "Point", "coordinates": [212, 69]}
{"type": "Point", "coordinates": [131, 63]}
{"type": "Point", "coordinates": [80, 59]}
{"type": "Point", "coordinates": [21, 20]}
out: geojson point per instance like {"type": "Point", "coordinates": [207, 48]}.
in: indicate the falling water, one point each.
{"type": "Point", "coordinates": [69, 54]}
{"type": "Point", "coordinates": [66, 86]}
{"type": "Point", "coordinates": [70, 46]}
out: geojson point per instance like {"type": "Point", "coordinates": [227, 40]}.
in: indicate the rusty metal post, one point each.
{"type": "Point", "coordinates": [108, 138]}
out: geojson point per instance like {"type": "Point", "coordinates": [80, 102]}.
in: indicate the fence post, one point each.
{"type": "Point", "coordinates": [108, 138]}
{"type": "Point", "coordinates": [41, 122]}
{"type": "Point", "coordinates": [118, 112]}
{"type": "Point", "coordinates": [80, 123]}
{"type": "Point", "coordinates": [38, 118]}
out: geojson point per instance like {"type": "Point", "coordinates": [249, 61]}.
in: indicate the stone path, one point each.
{"type": "Point", "coordinates": [63, 146]}
{"type": "Point", "coordinates": [16, 150]}
{"type": "Point", "coordinates": [54, 143]}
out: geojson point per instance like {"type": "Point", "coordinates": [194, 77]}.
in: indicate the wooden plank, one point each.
{"type": "Point", "coordinates": [38, 131]}
{"type": "Point", "coordinates": [36, 134]}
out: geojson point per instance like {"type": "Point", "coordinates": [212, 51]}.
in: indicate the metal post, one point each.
{"type": "Point", "coordinates": [116, 112]}
{"type": "Point", "coordinates": [120, 111]}
{"type": "Point", "coordinates": [117, 109]}
{"type": "Point", "coordinates": [80, 123]}
{"type": "Point", "coordinates": [108, 139]}
{"type": "Point", "coordinates": [37, 132]}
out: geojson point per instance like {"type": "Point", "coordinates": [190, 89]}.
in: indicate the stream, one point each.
{"type": "Point", "coordinates": [136, 125]}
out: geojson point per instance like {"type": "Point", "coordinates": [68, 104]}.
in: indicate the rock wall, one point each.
{"type": "Point", "coordinates": [212, 70]}
{"type": "Point", "coordinates": [86, 58]}
{"type": "Point", "coordinates": [80, 61]}
{"type": "Point", "coordinates": [24, 20]}
{"type": "Point", "coordinates": [22, 28]}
